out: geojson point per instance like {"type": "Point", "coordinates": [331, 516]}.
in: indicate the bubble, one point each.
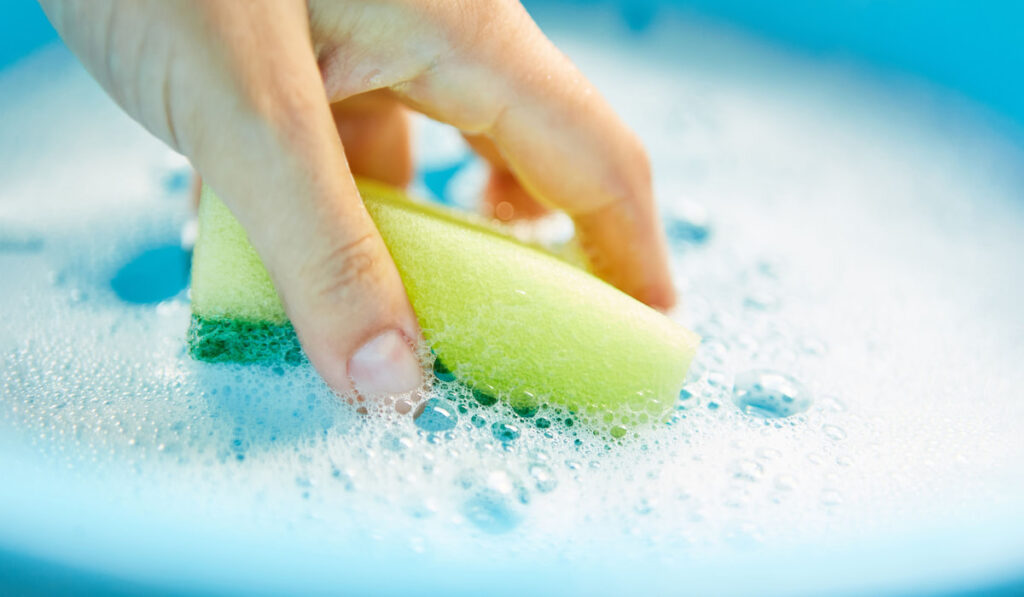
{"type": "Point", "coordinates": [442, 372]}
{"type": "Point", "coordinates": [495, 505]}
{"type": "Point", "coordinates": [544, 479]}
{"type": "Point", "coordinates": [436, 415]}
{"type": "Point", "coordinates": [491, 512]}
{"type": "Point", "coordinates": [770, 394]}
{"type": "Point", "coordinates": [526, 408]}
{"type": "Point", "coordinates": [483, 398]}
{"type": "Point", "coordinates": [688, 399]}
{"type": "Point", "coordinates": [505, 432]}
{"type": "Point", "coordinates": [345, 477]}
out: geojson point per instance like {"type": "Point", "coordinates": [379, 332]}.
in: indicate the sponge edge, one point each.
{"type": "Point", "coordinates": [506, 318]}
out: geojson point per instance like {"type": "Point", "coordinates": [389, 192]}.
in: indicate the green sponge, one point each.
{"type": "Point", "coordinates": [508, 319]}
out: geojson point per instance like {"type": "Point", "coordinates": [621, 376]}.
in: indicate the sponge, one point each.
{"type": "Point", "coordinates": [506, 318]}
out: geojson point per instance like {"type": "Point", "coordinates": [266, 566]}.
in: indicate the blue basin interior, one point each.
{"type": "Point", "coordinates": [847, 240]}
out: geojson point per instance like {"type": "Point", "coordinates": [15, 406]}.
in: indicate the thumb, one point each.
{"type": "Point", "coordinates": [286, 179]}
{"type": "Point", "coordinates": [236, 88]}
{"type": "Point", "coordinates": [264, 138]}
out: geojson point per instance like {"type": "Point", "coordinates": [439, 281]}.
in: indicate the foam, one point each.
{"type": "Point", "coordinates": [854, 245]}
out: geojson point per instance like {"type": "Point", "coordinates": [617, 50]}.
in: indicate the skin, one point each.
{"type": "Point", "coordinates": [277, 103]}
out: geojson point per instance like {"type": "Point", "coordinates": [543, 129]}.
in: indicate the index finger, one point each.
{"type": "Point", "coordinates": [504, 79]}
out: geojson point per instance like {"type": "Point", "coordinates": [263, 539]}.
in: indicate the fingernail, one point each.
{"type": "Point", "coordinates": [385, 366]}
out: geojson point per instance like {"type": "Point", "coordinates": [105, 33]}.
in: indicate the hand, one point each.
{"type": "Point", "coordinates": [245, 90]}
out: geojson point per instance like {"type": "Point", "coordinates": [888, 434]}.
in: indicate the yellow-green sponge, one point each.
{"type": "Point", "coordinates": [506, 318]}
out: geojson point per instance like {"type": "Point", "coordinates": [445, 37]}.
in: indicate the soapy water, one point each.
{"type": "Point", "coordinates": [851, 267]}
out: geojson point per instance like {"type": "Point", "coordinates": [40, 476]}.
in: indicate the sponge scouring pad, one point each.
{"type": "Point", "coordinates": [506, 318]}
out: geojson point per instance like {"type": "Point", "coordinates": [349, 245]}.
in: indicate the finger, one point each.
{"type": "Point", "coordinates": [496, 75]}
{"type": "Point", "coordinates": [235, 87]}
{"type": "Point", "coordinates": [374, 129]}
{"type": "Point", "coordinates": [504, 198]}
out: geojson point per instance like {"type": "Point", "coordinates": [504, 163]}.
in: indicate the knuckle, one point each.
{"type": "Point", "coordinates": [343, 269]}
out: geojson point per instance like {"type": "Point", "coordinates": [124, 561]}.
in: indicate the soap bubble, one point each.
{"type": "Point", "coordinates": [770, 394]}
{"type": "Point", "coordinates": [436, 415]}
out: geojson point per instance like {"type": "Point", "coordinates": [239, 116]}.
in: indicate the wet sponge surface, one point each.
{"type": "Point", "coordinates": [506, 318]}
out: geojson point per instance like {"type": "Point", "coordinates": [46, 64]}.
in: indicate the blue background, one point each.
{"type": "Point", "coordinates": [973, 47]}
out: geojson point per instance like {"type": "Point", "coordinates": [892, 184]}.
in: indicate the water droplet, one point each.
{"type": "Point", "coordinates": [770, 394]}
{"type": "Point", "coordinates": [834, 432]}
{"type": "Point", "coordinates": [505, 432]}
{"type": "Point", "coordinates": [478, 421]}
{"type": "Point", "coordinates": [618, 431]}
{"type": "Point", "coordinates": [436, 415]}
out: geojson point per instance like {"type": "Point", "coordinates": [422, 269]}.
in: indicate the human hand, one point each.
{"type": "Point", "coordinates": [277, 102]}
